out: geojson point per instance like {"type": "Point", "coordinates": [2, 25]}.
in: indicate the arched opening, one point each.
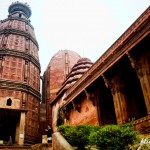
{"type": "Point", "coordinates": [106, 110]}
{"type": "Point", "coordinates": [9, 102]}
{"type": "Point", "coordinates": [134, 97]}
{"type": "Point", "coordinates": [20, 15]}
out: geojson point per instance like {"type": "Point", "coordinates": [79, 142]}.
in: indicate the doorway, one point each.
{"type": "Point", "coordinates": [8, 123]}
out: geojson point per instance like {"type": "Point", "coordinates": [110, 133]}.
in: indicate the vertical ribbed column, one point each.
{"type": "Point", "coordinates": [120, 104]}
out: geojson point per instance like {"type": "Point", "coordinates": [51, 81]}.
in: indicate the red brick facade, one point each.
{"type": "Point", "coordinates": [20, 68]}
{"type": "Point", "coordinates": [55, 74]}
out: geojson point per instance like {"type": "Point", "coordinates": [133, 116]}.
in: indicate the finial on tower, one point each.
{"type": "Point", "coordinates": [18, 6]}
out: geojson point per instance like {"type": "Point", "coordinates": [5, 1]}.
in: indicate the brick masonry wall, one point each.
{"type": "Point", "coordinates": [20, 71]}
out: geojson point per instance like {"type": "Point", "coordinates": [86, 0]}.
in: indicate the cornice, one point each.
{"type": "Point", "coordinates": [20, 86]}
{"type": "Point", "coordinates": [136, 32]}
{"type": "Point", "coordinates": [19, 19]}
{"type": "Point", "coordinates": [24, 55]}
{"type": "Point", "coordinates": [19, 32]}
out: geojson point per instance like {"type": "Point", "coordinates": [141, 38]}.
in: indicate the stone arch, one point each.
{"type": "Point", "coordinates": [128, 84]}
{"type": "Point", "coordinates": [104, 100]}
{"type": "Point", "coordinates": [9, 102]}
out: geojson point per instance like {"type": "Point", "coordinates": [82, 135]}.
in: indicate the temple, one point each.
{"type": "Point", "coordinates": [113, 90]}
{"type": "Point", "coordinates": [19, 77]}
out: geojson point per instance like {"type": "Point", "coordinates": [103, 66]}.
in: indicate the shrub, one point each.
{"type": "Point", "coordinates": [77, 135]}
{"type": "Point", "coordinates": [63, 128]}
{"type": "Point", "coordinates": [113, 137]}
{"type": "Point", "coordinates": [109, 137]}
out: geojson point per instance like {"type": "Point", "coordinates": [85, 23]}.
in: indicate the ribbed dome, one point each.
{"type": "Point", "coordinates": [64, 60]}
{"type": "Point", "coordinates": [77, 71]}
{"type": "Point", "coordinates": [59, 67]}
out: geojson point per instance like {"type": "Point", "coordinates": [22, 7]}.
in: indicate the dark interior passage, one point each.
{"type": "Point", "coordinates": [136, 103]}
{"type": "Point", "coordinates": [106, 110]}
{"type": "Point", "coordinates": [8, 122]}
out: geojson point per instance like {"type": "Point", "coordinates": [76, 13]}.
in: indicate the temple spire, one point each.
{"type": "Point", "coordinates": [21, 10]}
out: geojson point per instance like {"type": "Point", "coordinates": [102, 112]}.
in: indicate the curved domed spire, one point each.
{"type": "Point", "coordinates": [58, 68]}
{"type": "Point", "coordinates": [82, 66]}
{"type": "Point", "coordinates": [18, 6]}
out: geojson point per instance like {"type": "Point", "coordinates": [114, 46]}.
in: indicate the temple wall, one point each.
{"type": "Point", "coordinates": [87, 114]}
{"type": "Point", "coordinates": [15, 103]}
{"type": "Point", "coordinates": [20, 72]}
{"type": "Point", "coordinates": [12, 68]}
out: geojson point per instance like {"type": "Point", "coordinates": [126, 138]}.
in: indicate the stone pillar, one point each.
{"type": "Point", "coordinates": [120, 104]}
{"type": "Point", "coordinates": [143, 73]}
{"type": "Point", "coordinates": [17, 133]}
{"type": "Point", "coordinates": [145, 84]}
{"type": "Point", "coordinates": [22, 128]}
{"type": "Point", "coordinates": [119, 99]}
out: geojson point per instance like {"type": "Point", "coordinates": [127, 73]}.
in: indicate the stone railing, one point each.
{"type": "Point", "coordinates": [59, 143]}
{"type": "Point", "coordinates": [143, 125]}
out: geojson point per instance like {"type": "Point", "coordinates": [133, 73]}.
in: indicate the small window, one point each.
{"type": "Point", "coordinates": [20, 15]}
{"type": "Point", "coordinates": [9, 102]}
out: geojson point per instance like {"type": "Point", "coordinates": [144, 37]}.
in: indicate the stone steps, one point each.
{"type": "Point", "coordinates": [15, 147]}
{"type": "Point", "coordinates": [33, 147]}
{"type": "Point", "coordinates": [40, 146]}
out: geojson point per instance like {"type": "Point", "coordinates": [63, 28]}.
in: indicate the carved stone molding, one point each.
{"type": "Point", "coordinates": [19, 19]}
{"type": "Point", "coordinates": [76, 106]}
{"type": "Point", "coordinates": [90, 96]}
{"type": "Point", "coordinates": [66, 113]}
{"type": "Point", "coordinates": [135, 65]}
{"type": "Point", "coordinates": [26, 56]}
{"type": "Point", "coordinates": [20, 86]}
{"type": "Point", "coordinates": [107, 82]}
{"type": "Point", "coordinates": [114, 87]}
{"type": "Point", "coordinates": [19, 32]}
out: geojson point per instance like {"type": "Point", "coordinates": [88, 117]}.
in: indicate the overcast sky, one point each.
{"type": "Point", "coordinates": [88, 27]}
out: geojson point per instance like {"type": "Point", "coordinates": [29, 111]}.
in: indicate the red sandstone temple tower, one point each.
{"type": "Point", "coordinates": [55, 74]}
{"type": "Point", "coordinates": [19, 77]}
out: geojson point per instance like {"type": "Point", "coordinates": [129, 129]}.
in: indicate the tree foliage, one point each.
{"type": "Point", "coordinates": [108, 137]}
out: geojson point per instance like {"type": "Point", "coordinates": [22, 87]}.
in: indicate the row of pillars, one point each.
{"type": "Point", "coordinates": [119, 96]}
